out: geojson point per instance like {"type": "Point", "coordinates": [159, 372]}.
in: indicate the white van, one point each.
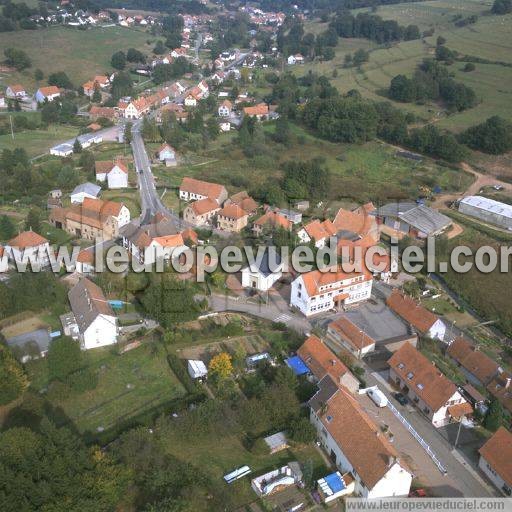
{"type": "Point", "coordinates": [378, 397]}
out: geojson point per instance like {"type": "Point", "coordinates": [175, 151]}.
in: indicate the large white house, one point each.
{"type": "Point", "coordinates": [356, 445]}
{"type": "Point", "coordinates": [97, 325]}
{"type": "Point", "coordinates": [114, 173]}
{"type": "Point", "coordinates": [496, 460]}
{"type": "Point", "coordinates": [429, 390]}
{"type": "Point", "coordinates": [317, 292]}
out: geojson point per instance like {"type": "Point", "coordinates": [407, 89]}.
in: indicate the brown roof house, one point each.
{"type": "Point", "coordinates": [201, 212]}
{"type": "Point", "coordinates": [192, 190]}
{"type": "Point", "coordinates": [356, 445]}
{"type": "Point", "coordinates": [232, 218]}
{"type": "Point", "coordinates": [321, 361]}
{"type": "Point", "coordinates": [424, 321]}
{"type": "Point", "coordinates": [350, 337]}
{"type": "Point", "coordinates": [244, 200]}
{"type": "Point", "coordinates": [496, 460]}
{"type": "Point", "coordinates": [29, 246]}
{"type": "Point", "coordinates": [500, 387]}
{"type": "Point", "coordinates": [92, 219]}
{"type": "Point", "coordinates": [478, 368]}
{"type": "Point", "coordinates": [97, 324]}
{"type": "Point", "coordinates": [427, 387]}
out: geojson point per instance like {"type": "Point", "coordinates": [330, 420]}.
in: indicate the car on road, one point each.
{"type": "Point", "coordinates": [401, 398]}
{"type": "Point", "coordinates": [378, 397]}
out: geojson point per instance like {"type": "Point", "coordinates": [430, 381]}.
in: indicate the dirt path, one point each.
{"type": "Point", "coordinates": [481, 181]}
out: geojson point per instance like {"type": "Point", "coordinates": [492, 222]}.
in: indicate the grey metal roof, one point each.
{"type": "Point", "coordinates": [41, 337]}
{"type": "Point", "coordinates": [489, 205]}
{"type": "Point", "coordinates": [88, 188]}
{"type": "Point", "coordinates": [327, 388]}
{"type": "Point", "coordinates": [267, 262]}
{"type": "Point", "coordinates": [425, 219]}
{"type": "Point", "coordinates": [87, 303]}
{"type": "Point", "coordinates": [420, 217]}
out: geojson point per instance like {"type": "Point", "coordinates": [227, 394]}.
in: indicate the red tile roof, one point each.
{"type": "Point", "coordinates": [321, 360]}
{"type": "Point", "coordinates": [204, 206]}
{"type": "Point", "coordinates": [422, 376]}
{"type": "Point", "coordinates": [497, 451]}
{"type": "Point", "coordinates": [351, 333]}
{"type": "Point", "coordinates": [361, 441]}
{"type": "Point", "coordinates": [27, 239]}
{"type": "Point", "coordinates": [315, 279]}
{"type": "Point", "coordinates": [203, 188]}
{"type": "Point", "coordinates": [274, 219]}
{"type": "Point", "coordinates": [473, 360]}
{"type": "Point", "coordinates": [233, 211]}
{"type": "Point", "coordinates": [318, 230]}
{"type": "Point", "coordinates": [257, 110]}
{"type": "Point", "coordinates": [49, 91]}
{"type": "Point", "coordinates": [406, 307]}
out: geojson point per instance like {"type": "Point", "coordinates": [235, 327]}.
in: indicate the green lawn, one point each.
{"type": "Point", "coordinates": [80, 53]}
{"type": "Point", "coordinates": [128, 385]}
{"type": "Point", "coordinates": [38, 142]}
{"type": "Point", "coordinates": [489, 38]}
{"type": "Point", "coordinates": [361, 173]}
{"type": "Point", "coordinates": [129, 197]}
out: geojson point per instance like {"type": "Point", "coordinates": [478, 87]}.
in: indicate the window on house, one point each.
{"type": "Point", "coordinates": [420, 386]}
{"type": "Point", "coordinates": [410, 375]}
{"type": "Point", "coordinates": [401, 366]}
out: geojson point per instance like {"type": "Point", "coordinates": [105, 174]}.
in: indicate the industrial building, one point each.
{"type": "Point", "coordinates": [488, 210]}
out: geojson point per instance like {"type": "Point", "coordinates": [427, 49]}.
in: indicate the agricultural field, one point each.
{"type": "Point", "coordinates": [358, 171]}
{"type": "Point", "coordinates": [489, 38]}
{"type": "Point", "coordinates": [128, 384]}
{"type": "Point", "coordinates": [80, 53]}
{"type": "Point", "coordinates": [38, 142]}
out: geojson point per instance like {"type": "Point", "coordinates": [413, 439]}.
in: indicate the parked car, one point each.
{"type": "Point", "coordinates": [401, 398]}
{"type": "Point", "coordinates": [378, 397]}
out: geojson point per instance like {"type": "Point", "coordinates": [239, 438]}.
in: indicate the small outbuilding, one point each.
{"type": "Point", "coordinates": [197, 369]}
{"type": "Point", "coordinates": [277, 442]}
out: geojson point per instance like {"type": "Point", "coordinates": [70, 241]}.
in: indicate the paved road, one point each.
{"type": "Point", "coordinates": [461, 479]}
{"type": "Point", "coordinates": [277, 310]}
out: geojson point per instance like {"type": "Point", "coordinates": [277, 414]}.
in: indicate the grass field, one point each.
{"type": "Point", "coordinates": [489, 38]}
{"type": "Point", "coordinates": [360, 173]}
{"type": "Point", "coordinates": [37, 142]}
{"type": "Point", "coordinates": [128, 384]}
{"type": "Point", "coordinates": [80, 53]}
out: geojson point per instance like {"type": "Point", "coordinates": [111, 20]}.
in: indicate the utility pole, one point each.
{"type": "Point", "coordinates": [12, 131]}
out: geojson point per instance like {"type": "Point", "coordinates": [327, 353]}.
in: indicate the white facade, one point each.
{"type": "Point", "coordinates": [10, 93]}
{"type": "Point", "coordinates": [357, 289]}
{"type": "Point", "coordinates": [123, 217]}
{"type": "Point", "coordinates": [493, 476]}
{"type": "Point", "coordinates": [438, 330]}
{"type": "Point", "coordinates": [304, 238]}
{"type": "Point", "coordinates": [37, 254]}
{"type": "Point", "coordinates": [396, 482]}
{"type": "Point", "coordinates": [224, 111]}
{"type": "Point", "coordinates": [100, 333]}
{"type": "Point", "coordinates": [117, 178]}
{"type": "Point", "coordinates": [257, 280]}
{"type": "Point", "coordinates": [79, 197]}
{"type": "Point", "coordinates": [441, 416]}
{"type": "Point", "coordinates": [41, 97]}
{"type": "Point", "coordinates": [190, 101]}
{"type": "Point", "coordinates": [4, 260]}
{"type": "Point", "coordinates": [225, 126]}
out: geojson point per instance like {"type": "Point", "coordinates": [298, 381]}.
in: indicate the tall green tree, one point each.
{"type": "Point", "coordinates": [7, 228]}
{"type": "Point", "coordinates": [13, 381]}
{"type": "Point", "coordinates": [64, 358]}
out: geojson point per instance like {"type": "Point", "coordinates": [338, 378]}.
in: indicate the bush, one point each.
{"type": "Point", "coordinates": [178, 367]}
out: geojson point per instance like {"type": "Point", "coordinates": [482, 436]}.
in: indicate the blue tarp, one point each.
{"type": "Point", "coordinates": [297, 365]}
{"type": "Point", "coordinates": [335, 482]}
{"type": "Point", "coordinates": [116, 304]}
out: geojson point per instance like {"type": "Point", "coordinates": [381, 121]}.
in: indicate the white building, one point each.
{"type": "Point", "coordinates": [193, 190]}
{"type": "Point", "coordinates": [429, 390]}
{"type": "Point", "coordinates": [4, 260]}
{"type": "Point", "coordinates": [196, 369]}
{"type": "Point", "coordinates": [49, 93]}
{"type": "Point", "coordinates": [488, 210]}
{"type": "Point", "coordinates": [317, 292]}
{"type": "Point", "coordinates": [96, 322]}
{"type": "Point", "coordinates": [166, 152]}
{"type": "Point", "coordinates": [15, 91]}
{"type": "Point", "coordinates": [495, 460]}
{"type": "Point", "coordinates": [114, 173]}
{"type": "Point", "coordinates": [263, 274]}
{"type": "Point", "coordinates": [225, 108]}
{"type": "Point", "coordinates": [356, 445]}
{"type": "Point", "coordinates": [318, 232]}
{"type": "Point", "coordinates": [29, 246]}
{"type": "Point", "coordinates": [80, 192]}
